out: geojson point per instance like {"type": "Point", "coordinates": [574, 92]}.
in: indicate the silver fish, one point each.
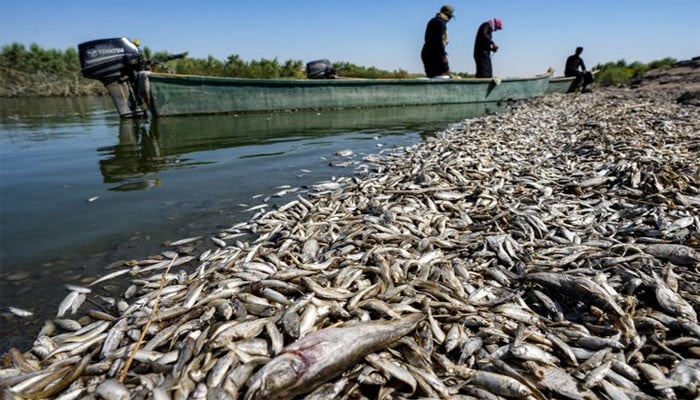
{"type": "Point", "coordinates": [67, 303]}
{"type": "Point", "coordinates": [20, 312]}
{"type": "Point", "coordinates": [675, 253]}
{"type": "Point", "coordinates": [321, 355]}
{"type": "Point", "coordinates": [672, 301]}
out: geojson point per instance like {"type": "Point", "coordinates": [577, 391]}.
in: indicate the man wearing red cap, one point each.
{"type": "Point", "coordinates": [484, 45]}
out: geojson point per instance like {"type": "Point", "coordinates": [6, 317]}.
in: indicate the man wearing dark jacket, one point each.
{"type": "Point", "coordinates": [576, 67]}
{"type": "Point", "coordinates": [484, 45]}
{"type": "Point", "coordinates": [433, 54]}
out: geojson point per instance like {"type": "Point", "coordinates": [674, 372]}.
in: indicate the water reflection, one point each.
{"type": "Point", "coordinates": [137, 154]}
{"type": "Point", "coordinates": [13, 109]}
{"type": "Point", "coordinates": [146, 148]}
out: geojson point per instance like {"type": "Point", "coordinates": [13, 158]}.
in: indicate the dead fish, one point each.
{"type": "Point", "coordinates": [672, 302]}
{"type": "Point", "coordinates": [344, 153]}
{"type": "Point", "coordinates": [114, 337]}
{"type": "Point", "coordinates": [501, 384]}
{"type": "Point", "coordinates": [531, 352]}
{"type": "Point", "coordinates": [218, 242]}
{"type": "Point", "coordinates": [310, 250]}
{"type": "Point", "coordinates": [577, 286]}
{"type": "Point", "coordinates": [450, 196]}
{"type": "Point", "coordinates": [185, 241]}
{"type": "Point", "coordinates": [79, 289]}
{"type": "Point", "coordinates": [111, 389]}
{"type": "Point", "coordinates": [218, 371]}
{"type": "Point", "coordinates": [79, 300]}
{"type": "Point", "coordinates": [594, 181]}
{"type": "Point", "coordinates": [675, 253]}
{"type": "Point", "coordinates": [235, 330]}
{"type": "Point", "coordinates": [685, 374]}
{"type": "Point", "coordinates": [321, 355]}
{"type": "Point", "coordinates": [393, 369]}
{"type": "Point", "coordinates": [19, 312]}
{"type": "Point", "coordinates": [658, 379]}
{"type": "Point", "coordinates": [327, 186]}
{"type": "Point", "coordinates": [67, 303]}
{"type": "Point", "coordinates": [109, 276]}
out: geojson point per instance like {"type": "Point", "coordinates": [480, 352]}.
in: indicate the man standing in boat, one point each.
{"type": "Point", "coordinates": [484, 45]}
{"type": "Point", "coordinates": [576, 67]}
{"type": "Point", "coordinates": [434, 55]}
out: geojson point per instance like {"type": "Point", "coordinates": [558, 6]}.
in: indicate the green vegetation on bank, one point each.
{"type": "Point", "coordinates": [39, 72]}
{"type": "Point", "coordinates": [620, 73]}
{"type": "Point", "coordinates": [33, 71]}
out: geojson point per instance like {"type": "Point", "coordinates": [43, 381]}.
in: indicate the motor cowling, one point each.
{"type": "Point", "coordinates": [118, 64]}
{"type": "Point", "coordinates": [109, 59]}
{"type": "Point", "coordinates": [320, 69]}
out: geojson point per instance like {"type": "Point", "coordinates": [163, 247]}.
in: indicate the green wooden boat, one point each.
{"type": "Point", "coordinates": [189, 95]}
{"type": "Point", "coordinates": [135, 90]}
{"type": "Point", "coordinates": [562, 84]}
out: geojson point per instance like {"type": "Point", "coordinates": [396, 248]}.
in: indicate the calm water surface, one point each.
{"type": "Point", "coordinates": [80, 189]}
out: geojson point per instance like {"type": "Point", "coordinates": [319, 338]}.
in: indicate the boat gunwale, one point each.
{"type": "Point", "coordinates": [203, 79]}
{"type": "Point", "coordinates": [562, 79]}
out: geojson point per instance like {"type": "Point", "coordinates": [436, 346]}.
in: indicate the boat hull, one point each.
{"type": "Point", "coordinates": [562, 85]}
{"type": "Point", "coordinates": [191, 95]}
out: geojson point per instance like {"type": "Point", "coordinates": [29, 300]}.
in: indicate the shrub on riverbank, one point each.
{"type": "Point", "coordinates": [620, 73]}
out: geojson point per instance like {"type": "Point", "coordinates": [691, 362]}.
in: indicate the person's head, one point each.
{"type": "Point", "coordinates": [448, 11]}
{"type": "Point", "coordinates": [579, 50]}
{"type": "Point", "coordinates": [497, 24]}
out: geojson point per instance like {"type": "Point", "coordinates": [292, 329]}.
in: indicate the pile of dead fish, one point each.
{"type": "Point", "coordinates": [551, 252]}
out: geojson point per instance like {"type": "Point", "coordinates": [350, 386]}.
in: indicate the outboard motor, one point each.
{"type": "Point", "coordinates": [118, 64]}
{"type": "Point", "coordinates": [320, 69]}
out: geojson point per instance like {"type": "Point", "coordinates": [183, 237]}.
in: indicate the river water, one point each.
{"type": "Point", "coordinates": [80, 189]}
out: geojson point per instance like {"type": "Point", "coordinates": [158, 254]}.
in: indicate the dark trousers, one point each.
{"type": "Point", "coordinates": [483, 64]}
{"type": "Point", "coordinates": [585, 77]}
{"type": "Point", "coordinates": [434, 62]}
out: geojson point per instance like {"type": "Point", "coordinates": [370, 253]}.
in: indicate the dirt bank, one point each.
{"type": "Point", "coordinates": [681, 82]}
{"type": "Point", "coordinates": [14, 83]}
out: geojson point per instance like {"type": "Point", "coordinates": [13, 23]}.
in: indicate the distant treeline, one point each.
{"type": "Point", "coordinates": [35, 71]}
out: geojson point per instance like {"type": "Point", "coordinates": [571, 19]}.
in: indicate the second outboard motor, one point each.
{"type": "Point", "coordinates": [320, 69]}
{"type": "Point", "coordinates": [118, 64]}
